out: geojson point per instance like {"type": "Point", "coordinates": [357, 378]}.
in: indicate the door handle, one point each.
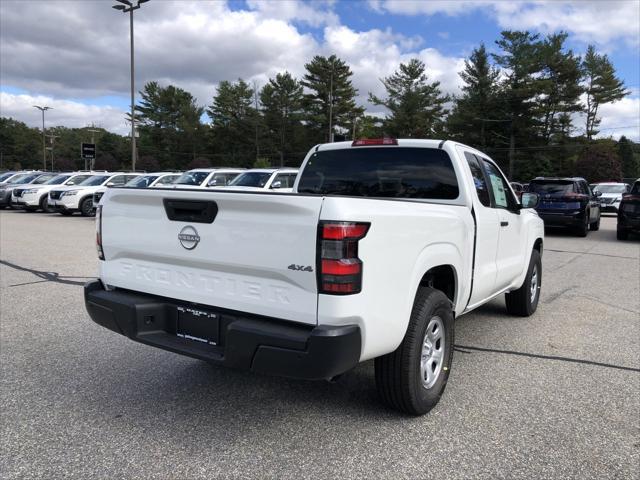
{"type": "Point", "coordinates": [504, 224]}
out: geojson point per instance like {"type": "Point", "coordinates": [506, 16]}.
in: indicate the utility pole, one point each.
{"type": "Point", "coordinates": [44, 147]}
{"type": "Point", "coordinates": [93, 140]}
{"type": "Point", "coordinates": [52, 139]}
{"type": "Point", "coordinates": [128, 7]}
{"type": "Point", "coordinates": [331, 104]}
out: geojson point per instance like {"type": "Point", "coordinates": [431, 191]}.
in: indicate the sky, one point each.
{"type": "Point", "coordinates": [73, 55]}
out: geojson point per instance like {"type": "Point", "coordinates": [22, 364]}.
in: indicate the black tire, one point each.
{"type": "Point", "coordinates": [595, 226]}
{"type": "Point", "coordinates": [398, 374]}
{"type": "Point", "coordinates": [44, 204]}
{"type": "Point", "coordinates": [519, 302]}
{"type": "Point", "coordinates": [583, 229]}
{"type": "Point", "coordinates": [66, 213]}
{"type": "Point", "coordinates": [622, 234]}
{"type": "Point", "coordinates": [86, 207]}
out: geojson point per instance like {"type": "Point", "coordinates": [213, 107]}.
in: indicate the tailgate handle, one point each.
{"type": "Point", "coordinates": [195, 211]}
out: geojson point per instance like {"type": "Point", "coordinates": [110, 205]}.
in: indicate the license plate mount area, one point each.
{"type": "Point", "coordinates": [198, 326]}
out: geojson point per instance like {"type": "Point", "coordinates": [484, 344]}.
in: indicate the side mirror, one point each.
{"type": "Point", "coordinates": [110, 184]}
{"type": "Point", "coordinates": [70, 182]}
{"type": "Point", "coordinates": [276, 184]}
{"type": "Point", "coordinates": [212, 183]}
{"type": "Point", "coordinates": [597, 193]}
{"type": "Point", "coordinates": [529, 200]}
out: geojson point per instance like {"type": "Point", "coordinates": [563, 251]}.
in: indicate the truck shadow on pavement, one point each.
{"type": "Point", "coordinates": [44, 276]}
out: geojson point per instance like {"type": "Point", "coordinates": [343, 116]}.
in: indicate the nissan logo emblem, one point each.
{"type": "Point", "coordinates": [189, 237]}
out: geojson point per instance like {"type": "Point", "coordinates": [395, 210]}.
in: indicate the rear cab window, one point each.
{"type": "Point", "coordinates": [387, 172]}
{"type": "Point", "coordinates": [552, 187]}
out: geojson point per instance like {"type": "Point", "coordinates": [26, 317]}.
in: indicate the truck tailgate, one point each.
{"type": "Point", "coordinates": [240, 262]}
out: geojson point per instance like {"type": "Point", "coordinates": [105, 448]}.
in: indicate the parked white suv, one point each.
{"type": "Point", "coordinates": [281, 179]}
{"type": "Point", "coordinates": [35, 197]}
{"type": "Point", "coordinates": [611, 195]}
{"type": "Point", "coordinates": [383, 245]}
{"type": "Point", "coordinates": [79, 198]}
{"type": "Point", "coordinates": [206, 177]}
{"type": "Point", "coordinates": [147, 180]}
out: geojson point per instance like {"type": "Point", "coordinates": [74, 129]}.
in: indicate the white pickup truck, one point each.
{"type": "Point", "coordinates": [381, 246]}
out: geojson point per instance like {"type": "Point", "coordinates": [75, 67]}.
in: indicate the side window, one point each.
{"type": "Point", "coordinates": [478, 179]}
{"type": "Point", "coordinates": [118, 180]}
{"type": "Point", "coordinates": [131, 177]}
{"type": "Point", "coordinates": [283, 178]}
{"type": "Point", "coordinates": [499, 187]}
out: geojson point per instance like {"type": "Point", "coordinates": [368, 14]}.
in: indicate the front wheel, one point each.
{"type": "Point", "coordinates": [86, 207]}
{"type": "Point", "coordinates": [413, 377]}
{"type": "Point", "coordinates": [44, 205]}
{"type": "Point", "coordinates": [595, 226]}
{"type": "Point", "coordinates": [523, 302]}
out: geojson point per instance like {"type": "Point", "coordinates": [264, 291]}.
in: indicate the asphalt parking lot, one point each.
{"type": "Point", "coordinates": [556, 395]}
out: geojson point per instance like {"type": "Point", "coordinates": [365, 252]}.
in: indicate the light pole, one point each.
{"type": "Point", "coordinates": [128, 7]}
{"type": "Point", "coordinates": [44, 148]}
{"type": "Point", "coordinates": [331, 104]}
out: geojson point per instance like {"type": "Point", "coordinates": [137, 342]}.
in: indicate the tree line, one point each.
{"type": "Point", "coordinates": [519, 105]}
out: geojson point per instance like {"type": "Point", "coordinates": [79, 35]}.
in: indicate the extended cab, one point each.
{"type": "Point", "coordinates": [382, 244]}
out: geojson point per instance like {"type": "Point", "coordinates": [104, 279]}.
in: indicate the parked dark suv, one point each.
{"type": "Point", "coordinates": [629, 212]}
{"type": "Point", "coordinates": [567, 202]}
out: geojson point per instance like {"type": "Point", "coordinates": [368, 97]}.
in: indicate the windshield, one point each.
{"type": "Point", "coordinates": [167, 179]}
{"type": "Point", "coordinates": [619, 188]}
{"type": "Point", "coordinates": [57, 180]}
{"type": "Point", "coordinates": [42, 179]}
{"type": "Point", "coordinates": [636, 188]}
{"type": "Point", "coordinates": [94, 180]}
{"type": "Point", "coordinates": [28, 178]}
{"type": "Point", "coordinates": [251, 179]}
{"type": "Point", "coordinates": [395, 172]}
{"type": "Point", "coordinates": [77, 179]}
{"type": "Point", "coordinates": [4, 176]}
{"type": "Point", "coordinates": [141, 182]}
{"type": "Point", "coordinates": [551, 187]}
{"type": "Point", "coordinates": [192, 178]}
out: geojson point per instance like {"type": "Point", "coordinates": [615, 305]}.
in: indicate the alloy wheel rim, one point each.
{"type": "Point", "coordinates": [432, 357]}
{"type": "Point", "coordinates": [534, 284]}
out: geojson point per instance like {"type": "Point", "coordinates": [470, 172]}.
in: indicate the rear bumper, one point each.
{"type": "Point", "coordinates": [555, 219]}
{"type": "Point", "coordinates": [246, 342]}
{"type": "Point", "coordinates": [629, 224]}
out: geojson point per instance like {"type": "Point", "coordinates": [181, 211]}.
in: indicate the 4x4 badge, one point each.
{"type": "Point", "coordinates": [300, 268]}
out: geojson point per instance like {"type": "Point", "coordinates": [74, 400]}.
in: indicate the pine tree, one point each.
{"type": "Point", "coordinates": [281, 105]}
{"type": "Point", "coordinates": [416, 105]}
{"type": "Point", "coordinates": [601, 86]}
{"type": "Point", "coordinates": [233, 122]}
{"type": "Point", "coordinates": [479, 101]}
{"type": "Point", "coordinates": [330, 105]}
{"type": "Point", "coordinates": [559, 87]}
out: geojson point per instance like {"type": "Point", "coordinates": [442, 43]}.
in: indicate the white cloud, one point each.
{"type": "Point", "coordinates": [64, 112]}
{"type": "Point", "coordinates": [621, 118]}
{"type": "Point", "coordinates": [315, 14]}
{"type": "Point", "coordinates": [587, 20]}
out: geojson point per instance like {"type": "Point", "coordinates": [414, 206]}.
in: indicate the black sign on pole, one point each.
{"type": "Point", "coordinates": [89, 150]}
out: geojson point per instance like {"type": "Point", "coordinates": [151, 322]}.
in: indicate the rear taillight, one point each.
{"type": "Point", "coordinates": [340, 269]}
{"type": "Point", "coordinates": [99, 232]}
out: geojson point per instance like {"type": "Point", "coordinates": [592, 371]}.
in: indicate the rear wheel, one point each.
{"type": "Point", "coordinates": [622, 234]}
{"type": "Point", "coordinates": [86, 207]}
{"type": "Point", "coordinates": [595, 226]}
{"type": "Point", "coordinates": [523, 302]}
{"type": "Point", "coordinates": [583, 229]}
{"type": "Point", "coordinates": [413, 377]}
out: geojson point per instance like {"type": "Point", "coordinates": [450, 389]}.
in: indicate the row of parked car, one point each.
{"type": "Point", "coordinates": [68, 193]}
{"type": "Point", "coordinates": [573, 203]}
{"type": "Point", "coordinates": [568, 202]}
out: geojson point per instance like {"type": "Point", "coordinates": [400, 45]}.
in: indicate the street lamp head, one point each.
{"type": "Point", "coordinates": [142, 1]}
{"type": "Point", "coordinates": [125, 2]}
{"type": "Point", "coordinates": [118, 7]}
